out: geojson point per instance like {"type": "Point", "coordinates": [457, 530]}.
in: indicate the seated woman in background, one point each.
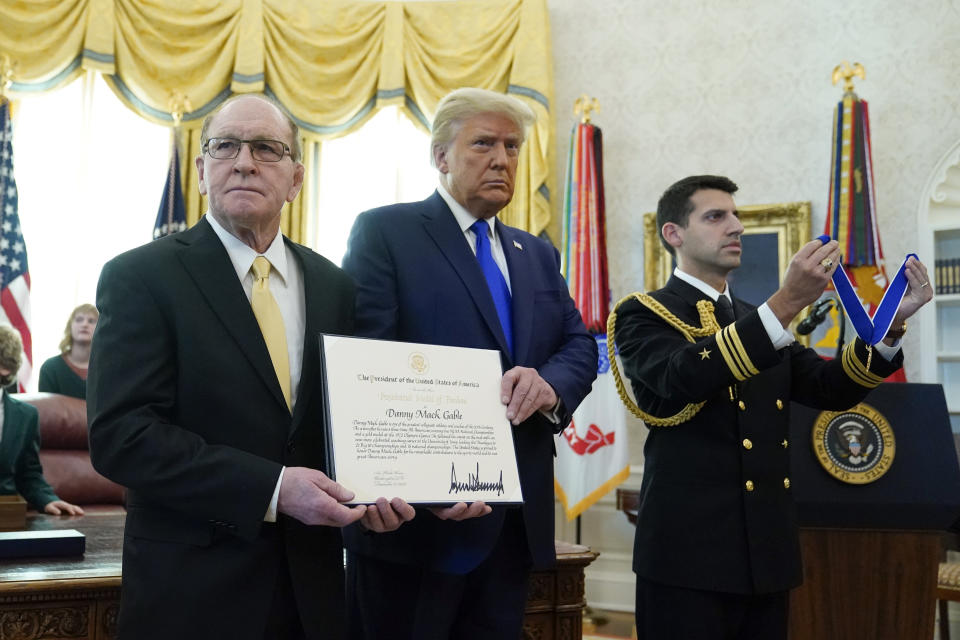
{"type": "Point", "coordinates": [20, 469]}
{"type": "Point", "coordinates": [67, 372]}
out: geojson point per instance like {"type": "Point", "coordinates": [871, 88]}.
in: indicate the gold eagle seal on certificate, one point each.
{"type": "Point", "coordinates": [418, 362]}
{"type": "Point", "coordinates": [854, 446]}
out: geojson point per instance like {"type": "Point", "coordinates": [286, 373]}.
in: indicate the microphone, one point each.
{"type": "Point", "coordinates": [819, 313]}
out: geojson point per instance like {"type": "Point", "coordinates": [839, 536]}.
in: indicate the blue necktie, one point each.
{"type": "Point", "coordinates": [495, 280]}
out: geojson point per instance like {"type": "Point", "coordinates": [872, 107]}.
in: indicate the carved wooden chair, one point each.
{"type": "Point", "coordinates": [948, 590]}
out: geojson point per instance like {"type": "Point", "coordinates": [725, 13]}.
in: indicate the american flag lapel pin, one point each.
{"type": "Point", "coordinates": [518, 245]}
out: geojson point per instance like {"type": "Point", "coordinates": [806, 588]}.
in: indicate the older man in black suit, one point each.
{"type": "Point", "coordinates": [204, 402]}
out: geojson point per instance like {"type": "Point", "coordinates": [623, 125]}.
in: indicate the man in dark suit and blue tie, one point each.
{"type": "Point", "coordinates": [446, 271]}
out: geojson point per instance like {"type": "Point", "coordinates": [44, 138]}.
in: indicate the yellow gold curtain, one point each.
{"type": "Point", "coordinates": [331, 63]}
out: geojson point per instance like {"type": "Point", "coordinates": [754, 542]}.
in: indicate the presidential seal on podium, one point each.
{"type": "Point", "coordinates": [856, 446]}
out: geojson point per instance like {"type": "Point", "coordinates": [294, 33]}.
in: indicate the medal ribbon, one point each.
{"type": "Point", "coordinates": [871, 330]}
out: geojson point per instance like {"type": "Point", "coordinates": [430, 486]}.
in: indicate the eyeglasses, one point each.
{"type": "Point", "coordinates": [262, 150]}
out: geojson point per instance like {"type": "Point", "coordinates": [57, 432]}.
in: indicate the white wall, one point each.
{"type": "Point", "coordinates": [743, 89]}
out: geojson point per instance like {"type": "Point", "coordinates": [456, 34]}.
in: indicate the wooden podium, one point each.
{"type": "Point", "coordinates": [871, 551]}
{"type": "Point", "coordinates": [866, 584]}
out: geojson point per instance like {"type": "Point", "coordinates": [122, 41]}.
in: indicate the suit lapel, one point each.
{"type": "Point", "coordinates": [207, 263]}
{"type": "Point", "coordinates": [442, 227]}
{"type": "Point", "coordinates": [689, 293]}
{"type": "Point", "coordinates": [521, 290]}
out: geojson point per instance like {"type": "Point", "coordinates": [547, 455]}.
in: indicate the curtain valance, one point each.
{"type": "Point", "coordinates": [331, 63]}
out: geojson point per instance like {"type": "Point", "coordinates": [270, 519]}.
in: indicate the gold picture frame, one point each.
{"type": "Point", "coordinates": [779, 229]}
{"type": "Point", "coordinates": [787, 224]}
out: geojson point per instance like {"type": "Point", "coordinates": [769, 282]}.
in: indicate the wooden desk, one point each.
{"type": "Point", "coordinates": [77, 597]}
{"type": "Point", "coordinates": [44, 598]}
{"type": "Point", "coordinates": [555, 598]}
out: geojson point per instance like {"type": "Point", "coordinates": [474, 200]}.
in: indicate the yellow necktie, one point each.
{"type": "Point", "coordinates": [267, 312]}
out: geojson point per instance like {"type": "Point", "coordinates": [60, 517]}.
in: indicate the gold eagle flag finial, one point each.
{"type": "Point", "coordinates": [847, 73]}
{"type": "Point", "coordinates": [583, 106]}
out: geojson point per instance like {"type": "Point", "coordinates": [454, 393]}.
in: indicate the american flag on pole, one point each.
{"type": "Point", "coordinates": [14, 276]}
{"type": "Point", "coordinates": [172, 214]}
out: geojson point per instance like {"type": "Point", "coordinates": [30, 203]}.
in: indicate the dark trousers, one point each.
{"type": "Point", "coordinates": [666, 612]}
{"type": "Point", "coordinates": [406, 602]}
{"type": "Point", "coordinates": [283, 621]}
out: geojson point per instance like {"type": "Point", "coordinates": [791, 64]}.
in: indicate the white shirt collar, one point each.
{"type": "Point", "coordinates": [464, 218]}
{"type": "Point", "coordinates": [701, 285]}
{"type": "Point", "coordinates": [242, 255]}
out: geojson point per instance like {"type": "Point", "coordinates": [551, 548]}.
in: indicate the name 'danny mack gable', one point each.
{"type": "Point", "coordinates": [430, 414]}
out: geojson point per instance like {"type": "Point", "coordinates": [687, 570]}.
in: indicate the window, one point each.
{"type": "Point", "coordinates": [90, 175]}
{"type": "Point", "coordinates": [385, 162]}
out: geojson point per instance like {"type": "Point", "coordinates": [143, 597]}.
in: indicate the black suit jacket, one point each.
{"type": "Point", "coordinates": [698, 526]}
{"type": "Point", "coordinates": [186, 412]}
{"type": "Point", "coordinates": [20, 468]}
{"type": "Point", "coordinates": [418, 281]}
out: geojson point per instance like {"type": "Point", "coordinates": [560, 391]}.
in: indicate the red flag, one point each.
{"type": "Point", "coordinates": [592, 457]}
{"type": "Point", "coordinates": [584, 228]}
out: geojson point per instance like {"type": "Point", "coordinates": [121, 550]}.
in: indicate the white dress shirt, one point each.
{"type": "Point", "coordinates": [287, 290]}
{"type": "Point", "coordinates": [465, 219]}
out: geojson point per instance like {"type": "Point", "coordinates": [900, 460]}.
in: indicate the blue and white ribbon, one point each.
{"type": "Point", "coordinates": [871, 330]}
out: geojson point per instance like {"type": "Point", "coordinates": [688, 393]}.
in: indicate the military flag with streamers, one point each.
{"type": "Point", "coordinates": [584, 259]}
{"type": "Point", "coordinates": [592, 456]}
{"type": "Point", "coordinates": [14, 275]}
{"type": "Point", "coordinates": [172, 215]}
{"type": "Point", "coordinates": [852, 204]}
{"type": "Point", "coordinates": [851, 208]}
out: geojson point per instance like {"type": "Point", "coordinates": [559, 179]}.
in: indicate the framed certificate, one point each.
{"type": "Point", "coordinates": [417, 421]}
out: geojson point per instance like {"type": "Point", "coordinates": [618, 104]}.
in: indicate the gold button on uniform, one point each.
{"type": "Point", "coordinates": [784, 443]}
{"type": "Point", "coordinates": [780, 404]}
{"type": "Point", "coordinates": [786, 483]}
{"type": "Point", "coordinates": [742, 405]}
{"type": "Point", "coordinates": [747, 444]}
{"type": "Point", "coordinates": [749, 485]}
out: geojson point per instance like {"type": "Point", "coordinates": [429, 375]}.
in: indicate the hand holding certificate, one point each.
{"type": "Point", "coordinates": [420, 422]}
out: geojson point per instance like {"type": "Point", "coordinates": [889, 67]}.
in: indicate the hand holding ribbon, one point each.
{"type": "Point", "coordinates": [807, 275]}
{"type": "Point", "coordinates": [907, 292]}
